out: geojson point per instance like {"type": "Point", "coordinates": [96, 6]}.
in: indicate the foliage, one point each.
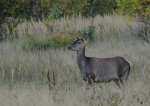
{"type": "Point", "coordinates": [101, 7]}
{"type": "Point", "coordinates": [54, 14]}
{"type": "Point", "coordinates": [57, 40]}
{"type": "Point", "coordinates": [69, 7]}
{"type": "Point", "coordinates": [39, 8]}
{"type": "Point", "coordinates": [90, 32]}
{"type": "Point", "coordinates": [53, 41]}
{"type": "Point", "coordinates": [134, 8]}
{"type": "Point", "coordinates": [24, 8]}
{"type": "Point", "coordinates": [52, 8]}
{"type": "Point", "coordinates": [140, 10]}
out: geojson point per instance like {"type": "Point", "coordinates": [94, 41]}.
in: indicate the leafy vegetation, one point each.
{"type": "Point", "coordinates": [104, 7]}
{"type": "Point", "coordinates": [57, 40]}
{"type": "Point", "coordinates": [134, 8]}
{"type": "Point", "coordinates": [52, 41]}
{"type": "Point", "coordinates": [138, 10]}
{"type": "Point", "coordinates": [53, 8]}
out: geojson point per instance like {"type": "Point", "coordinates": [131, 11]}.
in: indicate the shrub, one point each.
{"type": "Point", "coordinates": [91, 33]}
{"type": "Point", "coordinates": [53, 41]}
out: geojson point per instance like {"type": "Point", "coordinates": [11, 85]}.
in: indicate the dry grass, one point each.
{"type": "Point", "coordinates": [23, 74]}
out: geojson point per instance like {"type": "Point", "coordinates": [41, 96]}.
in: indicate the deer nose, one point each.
{"type": "Point", "coordinates": [69, 48]}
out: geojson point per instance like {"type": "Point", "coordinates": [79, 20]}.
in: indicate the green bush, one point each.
{"type": "Point", "coordinates": [91, 33]}
{"type": "Point", "coordinates": [53, 41]}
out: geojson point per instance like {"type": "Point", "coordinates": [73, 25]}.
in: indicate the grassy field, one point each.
{"type": "Point", "coordinates": [24, 73]}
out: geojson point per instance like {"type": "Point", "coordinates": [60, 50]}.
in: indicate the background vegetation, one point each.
{"type": "Point", "coordinates": [54, 8]}
{"type": "Point", "coordinates": [37, 69]}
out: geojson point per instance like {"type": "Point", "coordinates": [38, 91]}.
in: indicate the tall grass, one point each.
{"type": "Point", "coordinates": [23, 73]}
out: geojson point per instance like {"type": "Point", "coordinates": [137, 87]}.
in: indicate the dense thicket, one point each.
{"type": "Point", "coordinates": [59, 8]}
{"type": "Point", "coordinates": [54, 8]}
{"type": "Point", "coordinates": [134, 8]}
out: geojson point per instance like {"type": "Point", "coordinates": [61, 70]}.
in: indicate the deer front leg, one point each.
{"type": "Point", "coordinates": [90, 82]}
{"type": "Point", "coordinates": [90, 86]}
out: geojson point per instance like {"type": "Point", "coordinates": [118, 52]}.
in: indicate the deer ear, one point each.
{"type": "Point", "coordinates": [85, 37]}
{"type": "Point", "coordinates": [74, 37]}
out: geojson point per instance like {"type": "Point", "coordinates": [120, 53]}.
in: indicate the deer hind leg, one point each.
{"type": "Point", "coordinates": [124, 83]}
{"type": "Point", "coordinates": [124, 78]}
{"type": "Point", "coordinates": [118, 82]}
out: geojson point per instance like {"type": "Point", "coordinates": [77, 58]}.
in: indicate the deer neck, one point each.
{"type": "Point", "coordinates": [81, 58]}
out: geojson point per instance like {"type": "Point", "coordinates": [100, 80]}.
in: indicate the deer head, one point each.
{"type": "Point", "coordinates": [78, 44]}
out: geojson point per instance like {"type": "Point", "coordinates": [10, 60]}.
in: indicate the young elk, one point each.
{"type": "Point", "coordinates": [100, 69]}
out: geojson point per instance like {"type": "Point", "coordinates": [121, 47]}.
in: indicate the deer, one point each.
{"type": "Point", "coordinates": [100, 70]}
